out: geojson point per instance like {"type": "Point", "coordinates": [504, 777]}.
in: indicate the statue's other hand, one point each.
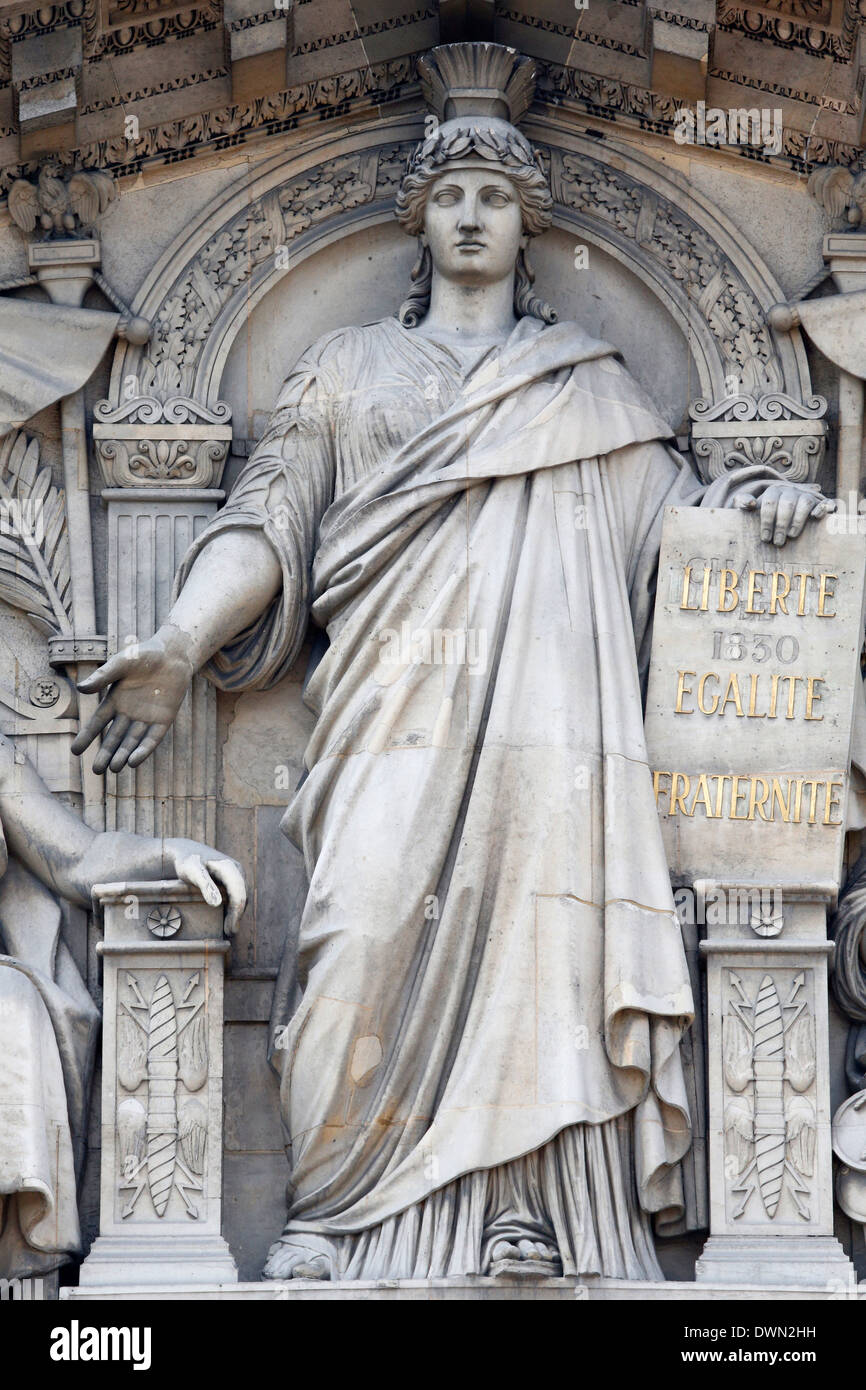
{"type": "Point", "coordinates": [209, 871]}
{"type": "Point", "coordinates": [785, 508]}
{"type": "Point", "coordinates": [145, 685]}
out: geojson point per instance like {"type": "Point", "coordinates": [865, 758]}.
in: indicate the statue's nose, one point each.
{"type": "Point", "coordinates": [468, 220]}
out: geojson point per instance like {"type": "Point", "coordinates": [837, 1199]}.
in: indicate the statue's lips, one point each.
{"type": "Point", "coordinates": [471, 245]}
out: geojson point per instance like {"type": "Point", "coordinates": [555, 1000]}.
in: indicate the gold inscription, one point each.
{"type": "Point", "coordinates": [764, 592]}
{"type": "Point", "coordinates": [754, 697]}
{"type": "Point", "coordinates": [748, 797]}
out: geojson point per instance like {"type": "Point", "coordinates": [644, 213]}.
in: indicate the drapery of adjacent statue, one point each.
{"type": "Point", "coordinates": [48, 1028]}
{"type": "Point", "coordinates": [489, 953]}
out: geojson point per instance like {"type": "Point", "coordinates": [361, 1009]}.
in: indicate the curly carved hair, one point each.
{"type": "Point", "coordinates": [512, 155]}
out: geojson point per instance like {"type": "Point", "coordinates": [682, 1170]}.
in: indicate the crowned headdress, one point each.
{"type": "Point", "coordinates": [478, 92]}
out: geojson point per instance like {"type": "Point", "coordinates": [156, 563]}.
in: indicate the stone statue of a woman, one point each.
{"type": "Point", "coordinates": [481, 1067]}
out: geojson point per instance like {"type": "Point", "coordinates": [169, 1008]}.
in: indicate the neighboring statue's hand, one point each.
{"type": "Point", "coordinates": [208, 870]}
{"type": "Point", "coordinates": [148, 682]}
{"type": "Point", "coordinates": [785, 508]}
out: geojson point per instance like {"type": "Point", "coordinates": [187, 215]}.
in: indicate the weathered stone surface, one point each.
{"type": "Point", "coordinates": [257, 163]}
{"type": "Point", "coordinates": [751, 698]}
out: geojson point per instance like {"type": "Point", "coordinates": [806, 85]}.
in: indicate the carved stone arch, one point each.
{"type": "Point", "coordinates": [711, 282]}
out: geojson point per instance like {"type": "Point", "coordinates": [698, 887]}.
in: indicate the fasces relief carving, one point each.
{"type": "Point", "coordinates": [769, 1069]}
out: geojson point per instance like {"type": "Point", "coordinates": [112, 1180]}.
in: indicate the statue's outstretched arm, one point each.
{"type": "Point", "coordinates": [233, 580]}
{"type": "Point", "coordinates": [68, 857]}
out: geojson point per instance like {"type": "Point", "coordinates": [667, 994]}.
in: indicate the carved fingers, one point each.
{"type": "Point", "coordinates": [209, 872]}
{"type": "Point", "coordinates": [190, 867]}
{"type": "Point", "coordinates": [230, 875]}
{"type": "Point", "coordinates": [111, 742]}
{"type": "Point", "coordinates": [148, 682]}
{"type": "Point", "coordinates": [105, 675]}
{"type": "Point", "coordinates": [786, 507]}
{"type": "Point", "coordinates": [131, 741]}
{"type": "Point", "coordinates": [155, 734]}
{"type": "Point", "coordinates": [103, 715]}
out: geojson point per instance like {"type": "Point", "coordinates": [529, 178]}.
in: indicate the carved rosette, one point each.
{"type": "Point", "coordinates": [150, 443]}
{"type": "Point", "coordinates": [772, 429]}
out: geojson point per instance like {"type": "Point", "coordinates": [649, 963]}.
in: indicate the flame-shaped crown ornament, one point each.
{"type": "Point", "coordinates": [477, 91]}
{"type": "Point", "coordinates": [477, 79]}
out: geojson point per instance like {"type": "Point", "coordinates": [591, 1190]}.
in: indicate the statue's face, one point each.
{"type": "Point", "coordinates": [473, 225]}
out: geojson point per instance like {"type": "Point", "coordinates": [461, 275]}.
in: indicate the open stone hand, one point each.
{"type": "Point", "coordinates": [146, 684]}
{"type": "Point", "coordinates": [785, 508]}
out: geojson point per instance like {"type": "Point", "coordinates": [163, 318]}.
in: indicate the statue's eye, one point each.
{"type": "Point", "coordinates": [446, 198]}
{"type": "Point", "coordinates": [497, 198]}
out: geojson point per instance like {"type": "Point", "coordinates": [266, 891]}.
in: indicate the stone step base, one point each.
{"type": "Point", "coordinates": [816, 1261]}
{"type": "Point", "coordinates": [136, 1260]}
{"type": "Point", "coordinates": [469, 1289]}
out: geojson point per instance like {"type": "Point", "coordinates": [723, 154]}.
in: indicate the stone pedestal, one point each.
{"type": "Point", "coordinates": [749, 716]}
{"type": "Point", "coordinates": [771, 1165]}
{"type": "Point", "coordinates": [161, 1183]}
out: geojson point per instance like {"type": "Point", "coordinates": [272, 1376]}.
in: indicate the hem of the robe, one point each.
{"type": "Point", "coordinates": [55, 1210]}
{"type": "Point", "coordinates": [360, 1218]}
{"type": "Point", "coordinates": [579, 1195]}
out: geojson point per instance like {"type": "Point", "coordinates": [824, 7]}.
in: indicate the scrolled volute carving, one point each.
{"type": "Point", "coordinates": [145, 442]}
{"type": "Point", "coordinates": [773, 429]}
{"type": "Point", "coordinates": [147, 410]}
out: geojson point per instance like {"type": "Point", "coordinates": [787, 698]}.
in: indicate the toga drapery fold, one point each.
{"type": "Point", "coordinates": [48, 1030]}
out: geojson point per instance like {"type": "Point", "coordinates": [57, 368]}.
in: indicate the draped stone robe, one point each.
{"type": "Point", "coordinates": [48, 1030]}
{"type": "Point", "coordinates": [493, 986]}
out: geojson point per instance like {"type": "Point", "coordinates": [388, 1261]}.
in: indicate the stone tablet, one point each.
{"type": "Point", "coordinates": [751, 695]}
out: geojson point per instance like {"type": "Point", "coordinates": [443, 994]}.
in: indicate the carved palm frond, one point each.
{"type": "Point", "coordinates": [131, 1130]}
{"type": "Point", "coordinates": [737, 1047]}
{"type": "Point", "coordinates": [800, 1133]}
{"type": "Point", "coordinates": [192, 1054]}
{"type": "Point", "coordinates": [192, 1131]}
{"type": "Point", "coordinates": [800, 1054]}
{"type": "Point", "coordinates": [35, 572]}
{"type": "Point", "coordinates": [739, 1133]}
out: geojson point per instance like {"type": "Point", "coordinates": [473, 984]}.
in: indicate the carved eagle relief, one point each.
{"type": "Point", "coordinates": [59, 207]}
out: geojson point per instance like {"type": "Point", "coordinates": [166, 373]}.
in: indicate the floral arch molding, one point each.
{"type": "Point", "coordinates": [712, 283]}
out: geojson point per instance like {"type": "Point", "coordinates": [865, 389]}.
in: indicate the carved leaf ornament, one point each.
{"type": "Point", "coordinates": [35, 572]}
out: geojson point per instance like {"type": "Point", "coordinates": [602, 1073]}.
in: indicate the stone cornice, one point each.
{"type": "Point", "coordinates": [567, 88]}
{"type": "Point", "coordinates": [786, 31]}
{"type": "Point", "coordinates": [233, 125]}
{"type": "Point", "coordinates": [341, 95]}
{"type": "Point", "coordinates": [629, 104]}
